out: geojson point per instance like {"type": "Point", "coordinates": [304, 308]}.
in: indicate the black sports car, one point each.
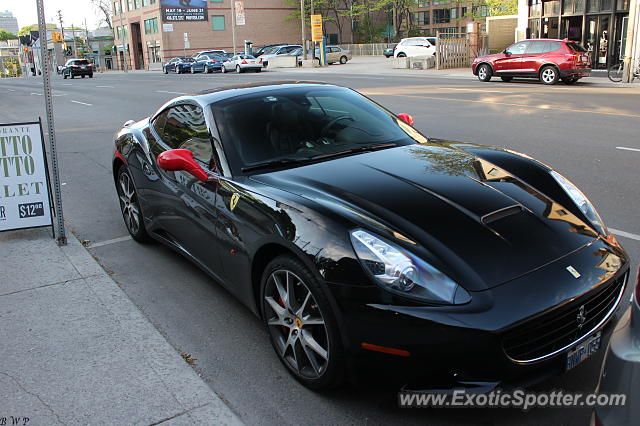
{"type": "Point", "coordinates": [368, 249]}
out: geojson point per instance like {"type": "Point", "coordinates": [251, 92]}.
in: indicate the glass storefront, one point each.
{"type": "Point", "coordinates": [599, 25]}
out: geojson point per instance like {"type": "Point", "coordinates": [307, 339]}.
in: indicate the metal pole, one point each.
{"type": "Point", "coordinates": [233, 24]}
{"type": "Point", "coordinates": [304, 40]}
{"type": "Point", "coordinates": [75, 45]}
{"type": "Point", "coordinates": [61, 238]}
{"type": "Point", "coordinates": [313, 43]}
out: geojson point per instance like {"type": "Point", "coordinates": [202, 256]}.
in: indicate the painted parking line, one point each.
{"type": "Point", "coordinates": [37, 94]}
{"type": "Point", "coordinates": [106, 87]}
{"type": "Point", "coordinates": [112, 241]}
{"type": "Point", "coordinates": [625, 234]}
{"type": "Point", "coordinates": [11, 90]}
{"type": "Point", "coordinates": [627, 149]}
{"type": "Point", "coordinates": [173, 93]}
{"type": "Point", "coordinates": [81, 103]}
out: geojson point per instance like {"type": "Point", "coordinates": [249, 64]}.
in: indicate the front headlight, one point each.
{"type": "Point", "coordinates": [581, 201]}
{"type": "Point", "coordinates": [403, 273]}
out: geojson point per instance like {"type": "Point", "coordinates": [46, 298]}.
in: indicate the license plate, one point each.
{"type": "Point", "coordinates": [584, 350]}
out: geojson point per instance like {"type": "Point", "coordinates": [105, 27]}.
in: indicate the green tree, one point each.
{"type": "Point", "coordinates": [6, 35]}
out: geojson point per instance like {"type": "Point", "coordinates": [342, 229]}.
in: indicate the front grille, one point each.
{"type": "Point", "coordinates": [559, 328]}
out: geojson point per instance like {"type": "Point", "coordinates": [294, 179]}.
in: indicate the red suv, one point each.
{"type": "Point", "coordinates": [546, 59]}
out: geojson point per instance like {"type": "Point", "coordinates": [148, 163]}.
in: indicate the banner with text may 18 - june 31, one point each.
{"type": "Point", "coordinates": [24, 185]}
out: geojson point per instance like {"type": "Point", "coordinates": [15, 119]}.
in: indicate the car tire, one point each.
{"type": "Point", "coordinates": [193, 70]}
{"type": "Point", "coordinates": [311, 352]}
{"type": "Point", "coordinates": [165, 70]}
{"type": "Point", "coordinates": [506, 79]}
{"type": "Point", "coordinates": [484, 72]}
{"type": "Point", "coordinates": [549, 75]}
{"type": "Point", "coordinates": [177, 70]}
{"type": "Point", "coordinates": [223, 69]}
{"type": "Point", "coordinates": [72, 76]}
{"type": "Point", "coordinates": [238, 69]}
{"type": "Point", "coordinates": [130, 206]}
{"type": "Point", "coordinates": [343, 60]}
{"type": "Point", "coordinates": [401, 55]}
{"type": "Point", "coordinates": [90, 75]}
{"type": "Point", "coordinates": [258, 69]}
{"type": "Point", "coordinates": [64, 76]}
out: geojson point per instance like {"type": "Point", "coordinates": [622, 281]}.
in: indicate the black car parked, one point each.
{"type": "Point", "coordinates": [367, 249]}
{"type": "Point", "coordinates": [178, 65]}
{"type": "Point", "coordinates": [77, 67]}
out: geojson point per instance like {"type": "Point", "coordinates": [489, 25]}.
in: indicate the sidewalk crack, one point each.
{"type": "Point", "coordinates": [34, 395]}
{"type": "Point", "coordinates": [166, 419]}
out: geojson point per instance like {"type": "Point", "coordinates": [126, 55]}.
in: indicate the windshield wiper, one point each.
{"type": "Point", "coordinates": [274, 163]}
{"type": "Point", "coordinates": [365, 148]}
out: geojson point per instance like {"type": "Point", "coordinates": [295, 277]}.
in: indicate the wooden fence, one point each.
{"type": "Point", "coordinates": [452, 51]}
{"type": "Point", "coordinates": [367, 49]}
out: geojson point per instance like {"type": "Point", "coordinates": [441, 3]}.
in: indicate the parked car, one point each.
{"type": "Point", "coordinates": [207, 63]}
{"type": "Point", "coordinates": [364, 247]}
{"type": "Point", "coordinates": [264, 48]}
{"type": "Point", "coordinates": [548, 60]}
{"type": "Point", "coordinates": [414, 46]}
{"type": "Point", "coordinates": [210, 52]}
{"type": "Point", "coordinates": [77, 67]}
{"type": "Point", "coordinates": [336, 54]}
{"type": "Point", "coordinates": [388, 52]}
{"type": "Point", "coordinates": [178, 65]}
{"type": "Point", "coordinates": [621, 369]}
{"type": "Point", "coordinates": [242, 63]}
{"type": "Point", "coordinates": [278, 51]}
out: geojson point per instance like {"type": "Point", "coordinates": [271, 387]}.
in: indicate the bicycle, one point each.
{"type": "Point", "coordinates": [615, 72]}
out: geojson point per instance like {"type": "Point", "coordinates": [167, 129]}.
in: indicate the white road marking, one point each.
{"type": "Point", "coordinates": [81, 103]}
{"type": "Point", "coordinates": [625, 234]}
{"type": "Point", "coordinates": [107, 242]}
{"type": "Point", "coordinates": [60, 94]}
{"type": "Point", "coordinates": [173, 93]}
{"type": "Point", "coordinates": [67, 84]}
{"type": "Point", "coordinates": [38, 94]}
{"type": "Point", "coordinates": [106, 87]}
{"type": "Point", "coordinates": [363, 76]}
{"type": "Point", "coordinates": [11, 90]}
{"type": "Point", "coordinates": [627, 149]}
{"type": "Point", "coordinates": [473, 90]}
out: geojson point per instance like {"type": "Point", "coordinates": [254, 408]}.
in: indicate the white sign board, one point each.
{"type": "Point", "coordinates": [24, 181]}
{"type": "Point", "coordinates": [240, 17]}
{"type": "Point", "coordinates": [186, 37]}
{"type": "Point", "coordinates": [167, 28]}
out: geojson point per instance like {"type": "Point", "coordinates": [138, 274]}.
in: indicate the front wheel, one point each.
{"type": "Point", "coordinates": [615, 72]}
{"type": "Point", "coordinates": [549, 75]}
{"type": "Point", "coordinates": [130, 206]}
{"type": "Point", "coordinates": [177, 70]}
{"type": "Point", "coordinates": [223, 69]}
{"type": "Point", "coordinates": [343, 60]}
{"type": "Point", "coordinates": [238, 69]}
{"type": "Point", "coordinates": [165, 70]}
{"type": "Point", "coordinates": [193, 70]}
{"type": "Point", "coordinates": [401, 55]}
{"type": "Point", "coordinates": [90, 75]}
{"type": "Point", "coordinates": [64, 76]}
{"type": "Point", "coordinates": [484, 72]}
{"type": "Point", "coordinates": [302, 327]}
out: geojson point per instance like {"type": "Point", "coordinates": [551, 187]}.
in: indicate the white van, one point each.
{"type": "Point", "coordinates": [415, 46]}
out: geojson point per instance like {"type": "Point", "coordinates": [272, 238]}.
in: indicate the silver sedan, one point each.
{"type": "Point", "coordinates": [621, 369]}
{"type": "Point", "coordinates": [242, 63]}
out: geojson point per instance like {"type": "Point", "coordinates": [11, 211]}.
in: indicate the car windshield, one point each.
{"type": "Point", "coordinates": [576, 47]}
{"type": "Point", "coordinates": [306, 124]}
{"type": "Point", "coordinates": [81, 62]}
{"type": "Point", "coordinates": [187, 59]}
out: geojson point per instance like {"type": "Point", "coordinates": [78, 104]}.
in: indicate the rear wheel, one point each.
{"type": "Point", "coordinates": [302, 327]}
{"type": "Point", "coordinates": [193, 70]}
{"type": "Point", "coordinates": [64, 76]}
{"type": "Point", "coordinates": [549, 75]}
{"type": "Point", "coordinates": [223, 69]}
{"type": "Point", "coordinates": [484, 72]}
{"type": "Point", "coordinates": [177, 70]}
{"type": "Point", "coordinates": [90, 75]}
{"type": "Point", "coordinates": [615, 72]}
{"type": "Point", "coordinates": [401, 55]}
{"type": "Point", "coordinates": [130, 206]}
{"type": "Point", "coordinates": [165, 70]}
{"type": "Point", "coordinates": [506, 79]}
{"type": "Point", "coordinates": [343, 60]}
{"type": "Point", "coordinates": [238, 69]}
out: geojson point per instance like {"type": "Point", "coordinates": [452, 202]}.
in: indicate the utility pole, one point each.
{"type": "Point", "coordinates": [313, 43]}
{"type": "Point", "coordinates": [233, 24]}
{"type": "Point", "coordinates": [75, 45]}
{"type": "Point", "coordinates": [61, 238]}
{"type": "Point", "coordinates": [302, 24]}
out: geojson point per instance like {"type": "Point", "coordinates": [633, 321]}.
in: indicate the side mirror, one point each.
{"type": "Point", "coordinates": [406, 118]}
{"type": "Point", "coordinates": [181, 159]}
{"type": "Point", "coordinates": [506, 52]}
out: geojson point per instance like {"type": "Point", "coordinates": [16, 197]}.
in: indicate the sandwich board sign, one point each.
{"type": "Point", "coordinates": [25, 192]}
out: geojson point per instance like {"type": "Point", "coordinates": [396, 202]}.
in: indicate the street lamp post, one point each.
{"type": "Point", "coordinates": [304, 39]}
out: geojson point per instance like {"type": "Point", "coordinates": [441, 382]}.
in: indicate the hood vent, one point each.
{"type": "Point", "coordinates": [501, 214]}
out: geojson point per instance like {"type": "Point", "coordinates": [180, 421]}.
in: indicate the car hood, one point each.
{"type": "Point", "coordinates": [461, 208]}
{"type": "Point", "coordinates": [489, 58]}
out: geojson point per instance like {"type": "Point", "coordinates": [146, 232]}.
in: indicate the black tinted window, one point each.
{"type": "Point", "coordinates": [184, 126]}
{"type": "Point", "coordinates": [536, 47]}
{"type": "Point", "coordinates": [576, 47]}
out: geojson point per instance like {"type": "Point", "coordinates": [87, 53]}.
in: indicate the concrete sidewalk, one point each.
{"type": "Point", "coordinates": [75, 350]}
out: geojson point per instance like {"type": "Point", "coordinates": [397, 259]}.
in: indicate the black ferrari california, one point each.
{"type": "Point", "coordinates": [366, 248]}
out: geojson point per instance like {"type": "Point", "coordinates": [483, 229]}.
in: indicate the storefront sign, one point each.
{"type": "Point", "coordinates": [240, 17]}
{"type": "Point", "coordinates": [184, 10]}
{"type": "Point", "coordinates": [316, 27]}
{"type": "Point", "coordinates": [24, 178]}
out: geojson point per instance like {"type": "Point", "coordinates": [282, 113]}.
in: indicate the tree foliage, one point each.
{"type": "Point", "coordinates": [6, 35]}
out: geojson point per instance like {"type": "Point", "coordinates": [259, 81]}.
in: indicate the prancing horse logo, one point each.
{"type": "Point", "coordinates": [581, 318]}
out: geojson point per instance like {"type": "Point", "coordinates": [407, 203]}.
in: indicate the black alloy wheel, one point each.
{"type": "Point", "coordinates": [130, 206]}
{"type": "Point", "coordinates": [301, 323]}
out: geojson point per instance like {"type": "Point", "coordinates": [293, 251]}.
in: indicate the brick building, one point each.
{"type": "Point", "coordinates": [445, 16]}
{"type": "Point", "coordinates": [154, 30]}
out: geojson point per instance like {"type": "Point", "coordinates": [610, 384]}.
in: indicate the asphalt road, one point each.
{"type": "Point", "coordinates": [577, 129]}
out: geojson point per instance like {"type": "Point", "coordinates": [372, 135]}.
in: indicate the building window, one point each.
{"type": "Point", "coordinates": [441, 16]}
{"type": "Point", "coordinates": [145, 3]}
{"type": "Point", "coordinates": [137, 3]}
{"type": "Point", "coordinates": [129, 4]}
{"type": "Point", "coordinates": [217, 22]}
{"type": "Point", "coordinates": [151, 26]}
{"type": "Point", "coordinates": [424, 3]}
{"type": "Point", "coordinates": [421, 18]}
{"type": "Point", "coordinates": [440, 2]}
{"type": "Point", "coordinates": [454, 13]}
{"type": "Point", "coordinates": [481, 11]}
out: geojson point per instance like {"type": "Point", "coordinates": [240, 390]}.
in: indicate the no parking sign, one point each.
{"type": "Point", "coordinates": [25, 200]}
